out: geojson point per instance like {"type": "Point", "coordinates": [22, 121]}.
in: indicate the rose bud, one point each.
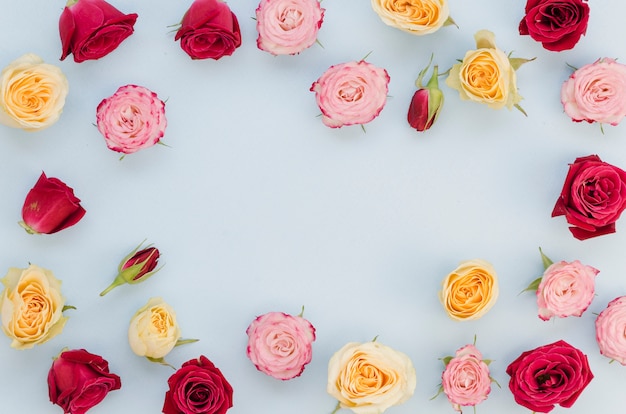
{"type": "Point", "coordinates": [50, 206]}
{"type": "Point", "coordinates": [79, 380]}
{"type": "Point", "coordinates": [136, 267]}
{"type": "Point", "coordinates": [426, 102]}
{"type": "Point", "coordinates": [91, 29]}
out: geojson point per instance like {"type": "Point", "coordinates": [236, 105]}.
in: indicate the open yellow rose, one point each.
{"type": "Point", "coordinates": [153, 330]}
{"type": "Point", "coordinates": [417, 17]}
{"type": "Point", "coordinates": [32, 93]}
{"type": "Point", "coordinates": [470, 290]}
{"type": "Point", "coordinates": [370, 377]}
{"type": "Point", "coordinates": [31, 306]}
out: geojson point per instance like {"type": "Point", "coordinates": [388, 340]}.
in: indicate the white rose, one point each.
{"type": "Point", "coordinates": [153, 331]}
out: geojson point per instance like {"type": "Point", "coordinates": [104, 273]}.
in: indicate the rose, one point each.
{"type": "Point", "coordinates": [209, 30]}
{"type": "Point", "coordinates": [131, 119]}
{"type": "Point", "coordinates": [79, 380]}
{"type": "Point", "coordinates": [351, 93]}
{"type": "Point", "coordinates": [91, 29]}
{"type": "Point", "coordinates": [557, 24]}
{"type": "Point", "coordinates": [31, 306]}
{"type": "Point", "coordinates": [427, 101]}
{"type": "Point", "coordinates": [32, 93]}
{"type": "Point", "coordinates": [287, 27]}
{"type": "Point", "coordinates": [370, 377]}
{"type": "Point", "coordinates": [279, 345]}
{"type": "Point", "coordinates": [610, 328]}
{"type": "Point", "coordinates": [566, 289]}
{"type": "Point", "coordinates": [593, 197]}
{"type": "Point", "coordinates": [153, 330]}
{"type": "Point", "coordinates": [50, 206]}
{"type": "Point", "coordinates": [136, 267]}
{"type": "Point", "coordinates": [466, 380]}
{"type": "Point", "coordinates": [198, 387]}
{"type": "Point", "coordinates": [470, 290]}
{"type": "Point", "coordinates": [595, 93]}
{"type": "Point", "coordinates": [417, 17]}
{"type": "Point", "coordinates": [548, 375]}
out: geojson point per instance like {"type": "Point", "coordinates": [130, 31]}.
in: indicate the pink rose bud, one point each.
{"type": "Point", "coordinates": [50, 206]}
{"type": "Point", "coordinates": [427, 101]}
{"type": "Point", "coordinates": [79, 380]}
{"type": "Point", "coordinates": [136, 267]}
{"type": "Point", "coordinates": [91, 29]}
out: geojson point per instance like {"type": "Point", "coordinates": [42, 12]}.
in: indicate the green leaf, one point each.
{"type": "Point", "coordinates": [68, 307]}
{"type": "Point", "coordinates": [446, 360]}
{"type": "Point", "coordinates": [516, 63]}
{"type": "Point", "coordinates": [545, 260]}
{"type": "Point", "coordinates": [533, 285]}
{"type": "Point", "coordinates": [439, 391]}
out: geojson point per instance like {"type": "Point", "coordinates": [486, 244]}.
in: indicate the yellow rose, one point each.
{"type": "Point", "coordinates": [31, 306]}
{"type": "Point", "coordinates": [470, 290]}
{"type": "Point", "coordinates": [487, 74]}
{"type": "Point", "coordinates": [32, 93]}
{"type": "Point", "coordinates": [417, 17]}
{"type": "Point", "coordinates": [368, 378]}
{"type": "Point", "coordinates": [153, 331]}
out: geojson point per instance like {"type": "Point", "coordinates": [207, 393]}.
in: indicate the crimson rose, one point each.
{"type": "Point", "coordinates": [198, 387]}
{"type": "Point", "coordinates": [557, 24]}
{"type": "Point", "coordinates": [551, 374]}
{"type": "Point", "coordinates": [593, 197]}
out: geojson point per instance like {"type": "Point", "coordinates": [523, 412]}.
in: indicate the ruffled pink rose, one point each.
{"type": "Point", "coordinates": [131, 119]}
{"type": "Point", "coordinates": [566, 289]}
{"type": "Point", "coordinates": [610, 328]}
{"type": "Point", "coordinates": [279, 345]}
{"type": "Point", "coordinates": [351, 93]}
{"type": "Point", "coordinates": [466, 380]}
{"type": "Point", "coordinates": [287, 27]}
{"type": "Point", "coordinates": [595, 92]}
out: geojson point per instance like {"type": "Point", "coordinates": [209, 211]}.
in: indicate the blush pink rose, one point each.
{"type": "Point", "coordinates": [466, 380]}
{"type": "Point", "coordinates": [610, 328]}
{"type": "Point", "coordinates": [279, 345]}
{"type": "Point", "coordinates": [595, 92]}
{"type": "Point", "coordinates": [566, 289]}
{"type": "Point", "coordinates": [351, 93]}
{"type": "Point", "coordinates": [131, 119]}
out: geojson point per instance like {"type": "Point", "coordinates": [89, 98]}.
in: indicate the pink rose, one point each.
{"type": "Point", "coordinates": [610, 328]}
{"type": "Point", "coordinates": [131, 119]}
{"type": "Point", "coordinates": [566, 289]}
{"type": "Point", "coordinates": [287, 27]}
{"type": "Point", "coordinates": [595, 92]}
{"type": "Point", "coordinates": [279, 345]}
{"type": "Point", "coordinates": [351, 93]}
{"type": "Point", "coordinates": [466, 380]}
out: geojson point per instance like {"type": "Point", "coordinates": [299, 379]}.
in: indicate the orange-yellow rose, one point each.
{"type": "Point", "coordinates": [470, 290]}
{"type": "Point", "coordinates": [31, 306]}
{"type": "Point", "coordinates": [417, 17]}
{"type": "Point", "coordinates": [32, 93]}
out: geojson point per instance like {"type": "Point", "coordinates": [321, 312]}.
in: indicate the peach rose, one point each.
{"type": "Point", "coordinates": [610, 328]}
{"type": "Point", "coordinates": [417, 17]}
{"type": "Point", "coordinates": [466, 380]}
{"type": "Point", "coordinates": [470, 290]}
{"type": "Point", "coordinates": [153, 330]}
{"type": "Point", "coordinates": [32, 93]}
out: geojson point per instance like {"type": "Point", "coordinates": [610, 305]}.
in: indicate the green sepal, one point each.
{"type": "Point", "coordinates": [160, 361]}
{"type": "Point", "coordinates": [70, 3]}
{"type": "Point", "coordinates": [446, 360]}
{"type": "Point", "coordinates": [534, 285]}
{"type": "Point", "coordinates": [450, 22]}
{"type": "Point", "coordinates": [516, 63]}
{"type": "Point", "coordinates": [68, 307]}
{"type": "Point", "coordinates": [185, 341]}
{"type": "Point", "coordinates": [545, 260]}
{"type": "Point", "coordinates": [439, 391]}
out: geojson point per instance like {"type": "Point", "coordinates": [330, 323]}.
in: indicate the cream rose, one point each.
{"type": "Point", "coordinates": [370, 377]}
{"type": "Point", "coordinates": [417, 17]}
{"type": "Point", "coordinates": [153, 331]}
{"type": "Point", "coordinates": [32, 93]}
{"type": "Point", "coordinates": [470, 290]}
{"type": "Point", "coordinates": [31, 306]}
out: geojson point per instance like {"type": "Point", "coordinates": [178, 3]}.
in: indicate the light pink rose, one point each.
{"type": "Point", "coordinates": [610, 329]}
{"type": "Point", "coordinates": [131, 119]}
{"type": "Point", "coordinates": [466, 380]}
{"type": "Point", "coordinates": [279, 345]}
{"type": "Point", "coordinates": [566, 289]}
{"type": "Point", "coordinates": [595, 92]}
{"type": "Point", "coordinates": [351, 93]}
{"type": "Point", "coordinates": [287, 27]}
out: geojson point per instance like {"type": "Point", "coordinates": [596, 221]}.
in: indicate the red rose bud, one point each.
{"type": "Point", "coordinates": [91, 29]}
{"type": "Point", "coordinates": [427, 101]}
{"type": "Point", "coordinates": [50, 206]}
{"type": "Point", "coordinates": [136, 267]}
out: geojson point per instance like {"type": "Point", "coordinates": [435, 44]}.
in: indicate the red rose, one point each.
{"type": "Point", "coordinates": [593, 197]}
{"type": "Point", "coordinates": [78, 380]}
{"type": "Point", "coordinates": [551, 374]}
{"type": "Point", "coordinates": [50, 206]}
{"type": "Point", "coordinates": [198, 387]}
{"type": "Point", "coordinates": [209, 30]}
{"type": "Point", "coordinates": [557, 24]}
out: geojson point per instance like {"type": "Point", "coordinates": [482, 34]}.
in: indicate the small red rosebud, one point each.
{"type": "Point", "coordinates": [427, 101]}
{"type": "Point", "coordinates": [136, 267]}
